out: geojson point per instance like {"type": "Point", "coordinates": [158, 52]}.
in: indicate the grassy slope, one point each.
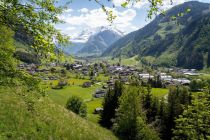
{"type": "Point", "coordinates": [43, 120]}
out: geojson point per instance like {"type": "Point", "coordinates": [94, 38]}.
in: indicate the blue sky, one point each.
{"type": "Point", "coordinates": [85, 14]}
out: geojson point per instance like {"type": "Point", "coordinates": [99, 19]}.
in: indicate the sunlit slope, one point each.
{"type": "Point", "coordinates": [25, 115]}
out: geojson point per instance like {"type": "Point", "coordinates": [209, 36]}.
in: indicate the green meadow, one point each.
{"type": "Point", "coordinates": [159, 92]}
{"type": "Point", "coordinates": [60, 96]}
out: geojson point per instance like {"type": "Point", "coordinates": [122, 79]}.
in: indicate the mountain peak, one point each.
{"type": "Point", "coordinates": [87, 33]}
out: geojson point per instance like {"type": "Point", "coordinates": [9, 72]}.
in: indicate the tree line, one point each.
{"type": "Point", "coordinates": [133, 113]}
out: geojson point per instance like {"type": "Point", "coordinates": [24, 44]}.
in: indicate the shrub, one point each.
{"type": "Point", "coordinates": [76, 105]}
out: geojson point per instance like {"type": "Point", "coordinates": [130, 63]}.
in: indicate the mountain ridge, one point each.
{"type": "Point", "coordinates": [93, 41]}
{"type": "Point", "coordinates": [163, 39]}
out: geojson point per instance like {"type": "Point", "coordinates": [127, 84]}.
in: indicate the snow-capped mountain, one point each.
{"type": "Point", "coordinates": [87, 33]}
{"type": "Point", "coordinates": [93, 41]}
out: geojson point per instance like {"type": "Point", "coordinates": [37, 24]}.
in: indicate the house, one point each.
{"type": "Point", "coordinates": [191, 73]}
{"type": "Point", "coordinates": [53, 77]}
{"type": "Point", "coordinates": [166, 78]}
{"type": "Point", "coordinates": [100, 93]}
{"type": "Point", "coordinates": [184, 81]}
{"type": "Point", "coordinates": [85, 71]}
{"type": "Point", "coordinates": [98, 110]}
{"type": "Point", "coordinates": [87, 84]}
{"type": "Point", "coordinates": [77, 66]}
{"type": "Point", "coordinates": [181, 81]}
{"type": "Point", "coordinates": [145, 76]}
{"type": "Point", "coordinates": [119, 68]}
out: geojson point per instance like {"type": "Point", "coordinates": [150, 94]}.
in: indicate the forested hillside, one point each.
{"type": "Point", "coordinates": [176, 39]}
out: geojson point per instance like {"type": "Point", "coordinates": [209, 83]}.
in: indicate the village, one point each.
{"type": "Point", "coordinates": [125, 74]}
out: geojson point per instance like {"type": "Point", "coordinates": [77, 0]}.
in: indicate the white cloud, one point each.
{"type": "Point", "coordinates": [83, 10]}
{"type": "Point", "coordinates": [96, 17]}
{"type": "Point", "coordinates": [132, 4]}
{"type": "Point", "coordinates": [68, 10]}
{"type": "Point", "coordinates": [141, 4]}
{"type": "Point", "coordinates": [70, 28]}
{"type": "Point", "coordinates": [66, 13]}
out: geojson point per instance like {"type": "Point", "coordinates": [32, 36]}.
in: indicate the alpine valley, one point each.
{"type": "Point", "coordinates": [149, 84]}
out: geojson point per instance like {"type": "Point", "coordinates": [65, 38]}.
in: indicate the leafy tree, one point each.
{"type": "Point", "coordinates": [7, 63]}
{"type": "Point", "coordinates": [197, 85]}
{"type": "Point", "coordinates": [194, 123]}
{"type": "Point", "coordinates": [127, 114]}
{"type": "Point", "coordinates": [26, 57]}
{"type": "Point", "coordinates": [91, 73]}
{"type": "Point", "coordinates": [208, 62]}
{"type": "Point", "coordinates": [178, 98]}
{"type": "Point", "coordinates": [147, 102]}
{"type": "Point", "coordinates": [76, 105]}
{"type": "Point", "coordinates": [144, 132]}
{"type": "Point", "coordinates": [162, 109]}
{"type": "Point", "coordinates": [154, 109]}
{"type": "Point", "coordinates": [35, 19]}
{"type": "Point", "coordinates": [130, 123]}
{"type": "Point", "coordinates": [9, 75]}
{"type": "Point", "coordinates": [110, 104]}
{"type": "Point", "coordinates": [108, 112]}
{"type": "Point", "coordinates": [103, 67]}
{"type": "Point", "coordinates": [158, 82]}
{"type": "Point", "coordinates": [162, 118]}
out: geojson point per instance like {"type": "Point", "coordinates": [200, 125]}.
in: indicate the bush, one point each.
{"type": "Point", "coordinates": [197, 85]}
{"type": "Point", "coordinates": [76, 105]}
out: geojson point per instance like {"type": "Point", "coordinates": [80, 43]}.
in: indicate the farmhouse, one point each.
{"type": "Point", "coordinates": [98, 110]}
{"type": "Point", "coordinates": [145, 76]}
{"type": "Point", "coordinates": [184, 81]}
{"type": "Point", "coordinates": [191, 73]}
{"type": "Point", "coordinates": [166, 77]}
{"type": "Point", "coordinates": [100, 93]}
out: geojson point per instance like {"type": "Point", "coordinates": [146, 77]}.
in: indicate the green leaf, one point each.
{"type": "Point", "coordinates": [124, 5]}
{"type": "Point", "coordinates": [188, 10]}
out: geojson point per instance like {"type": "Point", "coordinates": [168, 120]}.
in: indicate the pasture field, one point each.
{"type": "Point", "coordinates": [60, 96]}
{"type": "Point", "coordinates": [159, 92]}
{"type": "Point", "coordinates": [91, 105]}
